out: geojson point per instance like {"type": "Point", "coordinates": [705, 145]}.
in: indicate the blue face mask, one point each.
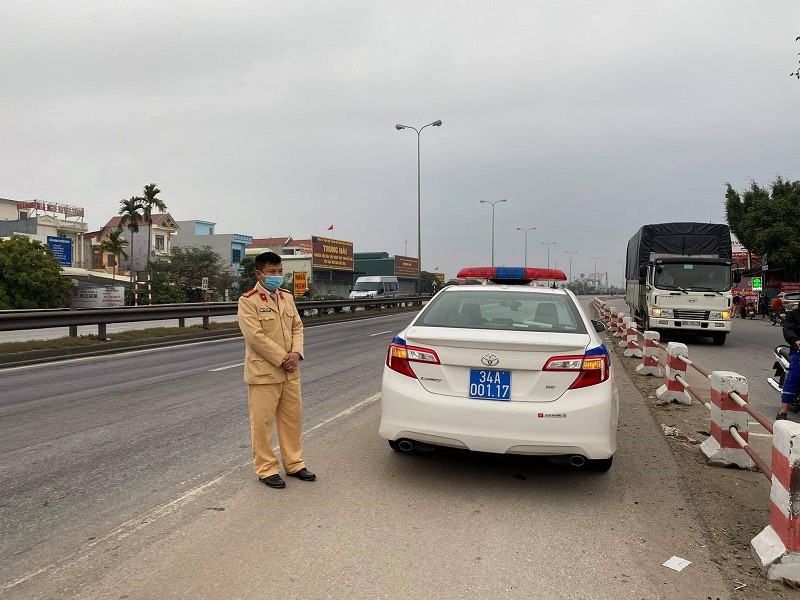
{"type": "Point", "coordinates": [273, 282]}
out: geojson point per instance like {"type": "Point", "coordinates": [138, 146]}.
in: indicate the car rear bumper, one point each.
{"type": "Point", "coordinates": [582, 421]}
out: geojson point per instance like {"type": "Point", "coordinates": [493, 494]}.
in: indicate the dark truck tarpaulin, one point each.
{"type": "Point", "coordinates": [681, 239]}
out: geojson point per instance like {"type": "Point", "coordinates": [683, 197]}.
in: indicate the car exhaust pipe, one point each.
{"type": "Point", "coordinates": [405, 445]}
{"type": "Point", "coordinates": [576, 460]}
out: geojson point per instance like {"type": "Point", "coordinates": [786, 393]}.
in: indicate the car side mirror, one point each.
{"type": "Point", "coordinates": [598, 326]}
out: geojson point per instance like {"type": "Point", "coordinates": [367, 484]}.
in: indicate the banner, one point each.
{"type": "Point", "coordinates": [406, 266]}
{"type": "Point", "coordinates": [64, 209]}
{"type": "Point", "coordinates": [98, 297]}
{"type": "Point", "coordinates": [300, 283]}
{"type": "Point", "coordinates": [328, 253]}
{"type": "Point", "coordinates": [61, 249]}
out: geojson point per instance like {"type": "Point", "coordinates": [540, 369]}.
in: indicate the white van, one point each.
{"type": "Point", "coordinates": [375, 286]}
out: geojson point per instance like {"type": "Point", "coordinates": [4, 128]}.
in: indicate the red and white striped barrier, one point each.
{"type": "Point", "coordinates": [632, 349]}
{"type": "Point", "coordinates": [673, 390]}
{"type": "Point", "coordinates": [649, 364]}
{"type": "Point", "coordinates": [777, 547]}
{"type": "Point", "coordinates": [721, 448]}
{"type": "Point", "coordinates": [616, 322]}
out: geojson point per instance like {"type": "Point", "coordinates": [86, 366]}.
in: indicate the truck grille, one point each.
{"type": "Point", "coordinates": [701, 315]}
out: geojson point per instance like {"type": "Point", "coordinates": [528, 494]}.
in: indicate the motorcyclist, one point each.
{"type": "Point", "coordinates": [791, 385]}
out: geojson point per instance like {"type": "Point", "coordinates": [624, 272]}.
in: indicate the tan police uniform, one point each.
{"type": "Point", "coordinates": [272, 329]}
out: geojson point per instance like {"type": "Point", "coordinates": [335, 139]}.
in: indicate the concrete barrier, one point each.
{"type": "Point", "coordinates": [720, 448]}
{"type": "Point", "coordinates": [632, 348]}
{"type": "Point", "coordinates": [649, 366]}
{"type": "Point", "coordinates": [673, 390]}
{"type": "Point", "coordinates": [777, 547]}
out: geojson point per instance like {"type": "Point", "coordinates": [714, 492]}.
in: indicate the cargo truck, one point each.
{"type": "Point", "coordinates": [679, 278]}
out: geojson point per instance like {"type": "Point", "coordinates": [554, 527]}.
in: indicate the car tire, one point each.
{"type": "Point", "coordinates": [719, 338]}
{"type": "Point", "coordinates": [599, 465]}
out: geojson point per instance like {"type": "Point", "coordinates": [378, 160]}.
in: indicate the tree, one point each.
{"type": "Point", "coordinates": [766, 221]}
{"type": "Point", "coordinates": [187, 267]}
{"type": "Point", "coordinates": [149, 202]}
{"type": "Point", "coordinates": [247, 275]}
{"type": "Point", "coordinates": [131, 211]}
{"type": "Point", "coordinates": [30, 277]}
{"type": "Point", "coordinates": [115, 245]}
{"type": "Point", "coordinates": [428, 283]}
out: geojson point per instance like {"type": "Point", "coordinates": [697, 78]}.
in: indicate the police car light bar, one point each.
{"type": "Point", "coordinates": [500, 274]}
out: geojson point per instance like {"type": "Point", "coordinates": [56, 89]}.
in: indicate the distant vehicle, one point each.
{"type": "Point", "coordinates": [508, 367]}
{"type": "Point", "coordinates": [382, 286]}
{"type": "Point", "coordinates": [679, 278]}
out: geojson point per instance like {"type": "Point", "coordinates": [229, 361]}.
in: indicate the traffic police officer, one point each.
{"type": "Point", "coordinates": [273, 334]}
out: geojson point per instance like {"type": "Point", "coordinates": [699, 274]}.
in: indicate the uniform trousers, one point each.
{"type": "Point", "coordinates": [792, 381]}
{"type": "Point", "coordinates": [279, 403]}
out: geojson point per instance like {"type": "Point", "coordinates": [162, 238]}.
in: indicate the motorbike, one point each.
{"type": "Point", "coordinates": [776, 317]}
{"type": "Point", "coordinates": [781, 367]}
{"type": "Point", "coordinates": [749, 311]}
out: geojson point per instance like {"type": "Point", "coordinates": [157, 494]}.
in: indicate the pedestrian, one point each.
{"type": "Point", "coordinates": [273, 335]}
{"type": "Point", "coordinates": [791, 384]}
{"type": "Point", "coordinates": [736, 300]}
{"type": "Point", "coordinates": [762, 304]}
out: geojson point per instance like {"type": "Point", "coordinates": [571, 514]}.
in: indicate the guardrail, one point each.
{"type": "Point", "coordinates": [777, 547]}
{"type": "Point", "coordinates": [16, 320]}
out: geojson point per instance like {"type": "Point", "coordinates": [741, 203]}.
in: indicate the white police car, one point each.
{"type": "Point", "coordinates": [508, 367]}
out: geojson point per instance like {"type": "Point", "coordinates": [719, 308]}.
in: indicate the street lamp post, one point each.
{"type": "Point", "coordinates": [492, 202]}
{"type": "Point", "coordinates": [570, 252]}
{"type": "Point", "coordinates": [437, 123]}
{"type": "Point", "coordinates": [548, 244]}
{"type": "Point", "coordinates": [594, 258]}
{"type": "Point", "coordinates": [526, 230]}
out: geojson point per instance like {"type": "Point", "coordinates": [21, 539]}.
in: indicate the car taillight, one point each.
{"type": "Point", "coordinates": [591, 368]}
{"type": "Point", "coordinates": [400, 356]}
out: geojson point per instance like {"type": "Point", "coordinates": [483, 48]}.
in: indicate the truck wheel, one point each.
{"type": "Point", "coordinates": [719, 338]}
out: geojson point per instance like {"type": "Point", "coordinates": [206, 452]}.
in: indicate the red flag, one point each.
{"type": "Point", "coordinates": [330, 228]}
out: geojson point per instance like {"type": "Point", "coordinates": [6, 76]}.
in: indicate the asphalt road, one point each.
{"type": "Point", "coordinates": [129, 476]}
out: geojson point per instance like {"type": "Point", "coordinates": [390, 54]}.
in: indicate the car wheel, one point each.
{"type": "Point", "coordinates": [719, 338]}
{"type": "Point", "coordinates": [600, 465]}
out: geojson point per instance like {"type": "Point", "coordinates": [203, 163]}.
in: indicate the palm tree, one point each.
{"type": "Point", "coordinates": [131, 211]}
{"type": "Point", "coordinates": [114, 244]}
{"type": "Point", "coordinates": [149, 202]}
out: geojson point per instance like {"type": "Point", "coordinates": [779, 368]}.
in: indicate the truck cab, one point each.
{"type": "Point", "coordinates": [690, 294]}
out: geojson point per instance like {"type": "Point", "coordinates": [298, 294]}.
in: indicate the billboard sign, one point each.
{"type": "Point", "coordinates": [406, 266]}
{"type": "Point", "coordinates": [61, 249]}
{"type": "Point", "coordinates": [98, 297]}
{"type": "Point", "coordinates": [328, 253]}
{"type": "Point", "coordinates": [64, 209]}
{"type": "Point", "coordinates": [300, 283]}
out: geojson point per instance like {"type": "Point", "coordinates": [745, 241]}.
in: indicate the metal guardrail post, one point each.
{"type": "Point", "coordinates": [101, 331]}
{"type": "Point", "coordinates": [73, 331]}
{"type": "Point", "coordinates": [181, 322]}
{"type": "Point", "coordinates": [206, 322]}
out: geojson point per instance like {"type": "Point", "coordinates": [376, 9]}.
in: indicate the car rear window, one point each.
{"type": "Point", "coordinates": [504, 310]}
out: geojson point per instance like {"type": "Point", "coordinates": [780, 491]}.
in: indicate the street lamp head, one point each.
{"type": "Point", "coordinates": [437, 123]}
{"type": "Point", "coordinates": [503, 200]}
{"type": "Point", "coordinates": [399, 127]}
{"type": "Point", "coordinates": [483, 201]}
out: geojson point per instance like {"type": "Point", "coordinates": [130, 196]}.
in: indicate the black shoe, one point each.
{"type": "Point", "coordinates": [273, 481]}
{"type": "Point", "coordinates": [303, 475]}
{"type": "Point", "coordinates": [781, 417]}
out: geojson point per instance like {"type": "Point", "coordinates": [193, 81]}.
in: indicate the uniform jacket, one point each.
{"type": "Point", "coordinates": [791, 328]}
{"type": "Point", "coordinates": [272, 329]}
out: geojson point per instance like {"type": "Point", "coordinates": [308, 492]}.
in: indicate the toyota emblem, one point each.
{"type": "Point", "coordinates": [490, 360]}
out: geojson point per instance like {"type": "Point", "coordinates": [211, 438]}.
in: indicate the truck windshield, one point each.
{"type": "Point", "coordinates": [693, 277]}
{"type": "Point", "coordinates": [366, 286]}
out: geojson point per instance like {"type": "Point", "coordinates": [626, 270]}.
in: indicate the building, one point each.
{"type": "Point", "coordinates": [60, 226]}
{"type": "Point", "coordinates": [164, 230]}
{"type": "Point", "coordinates": [230, 246]}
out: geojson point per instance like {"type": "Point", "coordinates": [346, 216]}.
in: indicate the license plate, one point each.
{"type": "Point", "coordinates": [489, 384]}
{"type": "Point", "coordinates": [692, 323]}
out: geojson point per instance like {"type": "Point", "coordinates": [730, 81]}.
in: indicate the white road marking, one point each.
{"type": "Point", "coordinates": [381, 333]}
{"type": "Point", "coordinates": [241, 364]}
{"type": "Point", "coordinates": [151, 516]}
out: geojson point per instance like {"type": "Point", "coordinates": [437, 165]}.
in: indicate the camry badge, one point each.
{"type": "Point", "coordinates": [490, 360]}
{"type": "Point", "coordinates": [692, 300]}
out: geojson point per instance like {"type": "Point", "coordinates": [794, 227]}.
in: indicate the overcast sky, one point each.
{"type": "Point", "coordinates": [277, 118]}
